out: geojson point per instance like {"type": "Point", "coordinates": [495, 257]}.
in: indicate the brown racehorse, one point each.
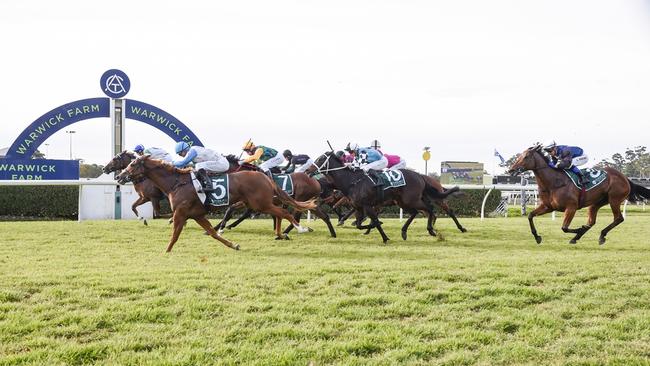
{"type": "Point", "coordinates": [305, 188]}
{"type": "Point", "coordinates": [146, 190]}
{"type": "Point", "coordinates": [558, 193]}
{"type": "Point", "coordinates": [252, 188]}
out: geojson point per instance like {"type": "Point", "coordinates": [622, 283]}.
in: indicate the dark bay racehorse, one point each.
{"type": "Point", "coordinates": [252, 188]}
{"type": "Point", "coordinates": [147, 191]}
{"type": "Point", "coordinates": [442, 203]}
{"type": "Point", "coordinates": [558, 193]}
{"type": "Point", "coordinates": [415, 196]}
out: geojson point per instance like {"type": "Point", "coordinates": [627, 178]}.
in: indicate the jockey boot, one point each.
{"type": "Point", "coordinates": [582, 180]}
{"type": "Point", "coordinates": [204, 180]}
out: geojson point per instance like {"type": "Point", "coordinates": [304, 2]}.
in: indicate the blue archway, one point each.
{"type": "Point", "coordinates": [65, 115]}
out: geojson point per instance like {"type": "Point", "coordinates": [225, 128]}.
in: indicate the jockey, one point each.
{"type": "Point", "coordinates": [371, 162]}
{"type": "Point", "coordinates": [395, 162]}
{"type": "Point", "coordinates": [205, 161]}
{"type": "Point", "coordinates": [154, 152]}
{"type": "Point", "coordinates": [269, 158]}
{"type": "Point", "coordinates": [567, 157]}
{"type": "Point", "coordinates": [292, 160]}
{"type": "Point", "coordinates": [351, 149]}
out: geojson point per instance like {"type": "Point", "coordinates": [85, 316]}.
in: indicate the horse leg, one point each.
{"type": "Point", "coordinates": [593, 212]}
{"type": "Point", "coordinates": [205, 224]}
{"type": "Point", "coordinates": [338, 213]}
{"type": "Point", "coordinates": [155, 203]}
{"type": "Point", "coordinates": [226, 217]}
{"type": "Point", "coordinates": [618, 218]}
{"type": "Point", "coordinates": [296, 216]}
{"type": "Point", "coordinates": [246, 215]}
{"type": "Point", "coordinates": [405, 228]}
{"type": "Point", "coordinates": [141, 200]}
{"type": "Point", "coordinates": [539, 210]}
{"type": "Point", "coordinates": [318, 211]}
{"type": "Point", "coordinates": [451, 214]}
{"type": "Point", "coordinates": [277, 224]}
{"type": "Point", "coordinates": [179, 223]}
{"type": "Point", "coordinates": [374, 222]}
{"type": "Point", "coordinates": [346, 216]}
{"type": "Point", "coordinates": [569, 213]}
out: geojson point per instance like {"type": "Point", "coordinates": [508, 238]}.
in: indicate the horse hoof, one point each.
{"type": "Point", "coordinates": [286, 237]}
{"type": "Point", "coordinates": [310, 230]}
{"type": "Point", "coordinates": [432, 233]}
{"type": "Point", "coordinates": [404, 235]}
{"type": "Point", "coordinates": [228, 227]}
{"type": "Point", "coordinates": [341, 223]}
{"type": "Point", "coordinates": [279, 238]}
{"type": "Point", "coordinates": [236, 247]}
{"type": "Point", "coordinates": [602, 240]}
{"type": "Point", "coordinates": [463, 230]}
{"type": "Point", "coordinates": [538, 239]}
{"type": "Point", "coordinates": [386, 241]}
{"type": "Point", "coordinates": [220, 231]}
{"type": "Point", "coordinates": [145, 222]}
{"type": "Point", "coordinates": [573, 241]}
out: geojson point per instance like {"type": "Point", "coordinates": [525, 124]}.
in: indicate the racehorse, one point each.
{"type": "Point", "coordinates": [558, 193]}
{"type": "Point", "coordinates": [146, 190]}
{"type": "Point", "coordinates": [305, 188]}
{"type": "Point", "coordinates": [415, 196]}
{"type": "Point", "coordinates": [438, 202]}
{"type": "Point", "coordinates": [252, 188]}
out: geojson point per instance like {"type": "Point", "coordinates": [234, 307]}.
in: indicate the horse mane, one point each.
{"type": "Point", "coordinates": [165, 165]}
{"type": "Point", "coordinates": [232, 159]}
{"type": "Point", "coordinates": [129, 154]}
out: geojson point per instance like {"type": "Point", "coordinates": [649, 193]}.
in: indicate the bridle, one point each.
{"type": "Point", "coordinates": [324, 168]}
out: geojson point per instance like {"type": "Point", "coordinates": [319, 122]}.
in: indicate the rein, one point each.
{"type": "Point", "coordinates": [326, 164]}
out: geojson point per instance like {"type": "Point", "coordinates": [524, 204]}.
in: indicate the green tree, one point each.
{"type": "Point", "coordinates": [633, 162]}
{"type": "Point", "coordinates": [90, 170]}
{"type": "Point", "coordinates": [508, 163]}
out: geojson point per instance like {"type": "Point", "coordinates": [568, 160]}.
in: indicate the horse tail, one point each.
{"type": "Point", "coordinates": [638, 192]}
{"type": "Point", "coordinates": [434, 193]}
{"type": "Point", "coordinates": [288, 200]}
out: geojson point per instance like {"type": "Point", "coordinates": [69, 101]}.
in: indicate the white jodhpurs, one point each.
{"type": "Point", "coordinates": [213, 166]}
{"type": "Point", "coordinates": [272, 163]}
{"type": "Point", "coordinates": [376, 165]}
{"type": "Point", "coordinates": [580, 160]}
{"type": "Point", "coordinates": [305, 166]}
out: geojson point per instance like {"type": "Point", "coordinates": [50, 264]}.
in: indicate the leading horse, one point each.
{"type": "Point", "coordinates": [252, 188]}
{"type": "Point", "coordinates": [147, 191]}
{"type": "Point", "coordinates": [558, 193]}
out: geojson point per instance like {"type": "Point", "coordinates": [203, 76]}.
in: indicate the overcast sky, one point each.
{"type": "Point", "coordinates": [464, 77]}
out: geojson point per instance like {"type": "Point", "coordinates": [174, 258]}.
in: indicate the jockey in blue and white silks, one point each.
{"type": "Point", "coordinates": [154, 152]}
{"type": "Point", "coordinates": [370, 159]}
{"type": "Point", "coordinates": [205, 161]}
{"type": "Point", "coordinates": [567, 157]}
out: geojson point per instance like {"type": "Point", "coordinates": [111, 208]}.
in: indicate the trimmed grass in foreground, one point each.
{"type": "Point", "coordinates": [104, 293]}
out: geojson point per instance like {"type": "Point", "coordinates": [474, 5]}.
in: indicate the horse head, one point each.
{"type": "Point", "coordinates": [119, 161]}
{"type": "Point", "coordinates": [134, 170]}
{"type": "Point", "coordinates": [531, 159]}
{"type": "Point", "coordinates": [325, 163]}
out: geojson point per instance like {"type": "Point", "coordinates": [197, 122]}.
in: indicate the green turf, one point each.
{"type": "Point", "coordinates": [105, 293]}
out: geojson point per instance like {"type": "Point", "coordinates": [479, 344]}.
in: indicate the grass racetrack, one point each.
{"type": "Point", "coordinates": [105, 293]}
